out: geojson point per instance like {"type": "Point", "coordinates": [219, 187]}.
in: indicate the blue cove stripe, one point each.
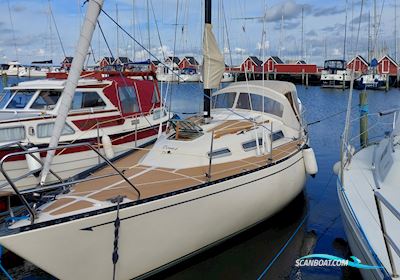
{"type": "Point", "coordinates": [356, 264]}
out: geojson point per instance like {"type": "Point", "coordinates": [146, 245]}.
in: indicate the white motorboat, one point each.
{"type": "Point", "coordinates": [12, 68]}
{"type": "Point", "coordinates": [204, 180]}
{"type": "Point", "coordinates": [335, 74]}
{"type": "Point", "coordinates": [228, 77]}
{"type": "Point", "coordinates": [372, 81]}
{"type": "Point", "coordinates": [189, 75]}
{"type": "Point", "coordinates": [98, 110]}
{"type": "Point", "coordinates": [167, 72]}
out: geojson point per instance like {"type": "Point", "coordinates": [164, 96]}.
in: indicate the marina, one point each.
{"type": "Point", "coordinates": [188, 158]}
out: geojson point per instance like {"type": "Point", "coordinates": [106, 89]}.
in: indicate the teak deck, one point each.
{"type": "Point", "coordinates": [152, 181]}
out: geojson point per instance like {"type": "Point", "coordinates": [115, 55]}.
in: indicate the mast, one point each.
{"type": "Point", "coordinates": [117, 33]}
{"type": "Point", "coordinates": [207, 91]}
{"type": "Point", "coordinates": [395, 30]}
{"type": "Point", "coordinates": [345, 34]}
{"type": "Point", "coordinates": [148, 27]}
{"type": "Point", "coordinates": [281, 36]}
{"type": "Point", "coordinates": [369, 37]}
{"type": "Point", "coordinates": [89, 24]}
{"type": "Point", "coordinates": [302, 32]}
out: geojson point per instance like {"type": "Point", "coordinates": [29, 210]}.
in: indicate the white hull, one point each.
{"type": "Point", "coordinates": [33, 73]}
{"type": "Point", "coordinates": [156, 234]}
{"type": "Point", "coordinates": [189, 78]}
{"type": "Point", "coordinates": [356, 240]}
{"type": "Point", "coordinates": [64, 165]}
{"type": "Point", "coordinates": [167, 77]}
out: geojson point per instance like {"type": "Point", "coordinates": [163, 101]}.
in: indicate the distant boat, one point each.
{"type": "Point", "coordinates": [167, 73]}
{"type": "Point", "coordinates": [228, 78]}
{"type": "Point", "coordinates": [189, 75]}
{"type": "Point", "coordinates": [335, 74]}
{"type": "Point", "coordinates": [13, 68]}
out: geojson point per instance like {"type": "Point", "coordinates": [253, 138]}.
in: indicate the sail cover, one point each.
{"type": "Point", "coordinates": [213, 60]}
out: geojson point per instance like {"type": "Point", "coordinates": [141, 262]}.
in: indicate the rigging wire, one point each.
{"type": "Point", "coordinates": [13, 31]}
{"type": "Point", "coordinates": [56, 27]}
{"type": "Point", "coordinates": [158, 30]}
{"type": "Point", "coordinates": [349, 104]}
{"type": "Point", "coordinates": [104, 38]}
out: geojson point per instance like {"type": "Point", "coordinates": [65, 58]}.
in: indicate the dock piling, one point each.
{"type": "Point", "coordinates": [363, 118]}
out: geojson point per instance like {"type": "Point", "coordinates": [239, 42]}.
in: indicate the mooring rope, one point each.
{"type": "Point", "coordinates": [117, 224]}
{"type": "Point", "coordinates": [272, 262]}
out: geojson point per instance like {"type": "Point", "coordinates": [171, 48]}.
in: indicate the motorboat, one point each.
{"type": "Point", "coordinates": [122, 111]}
{"type": "Point", "coordinates": [189, 75]}
{"type": "Point", "coordinates": [228, 77]}
{"type": "Point", "coordinates": [372, 81]}
{"type": "Point", "coordinates": [167, 72]}
{"type": "Point", "coordinates": [335, 74]}
{"type": "Point", "coordinates": [12, 68]}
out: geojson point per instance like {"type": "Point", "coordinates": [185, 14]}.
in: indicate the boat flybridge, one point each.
{"type": "Point", "coordinates": [196, 185]}
{"type": "Point", "coordinates": [335, 74]}
{"type": "Point", "coordinates": [369, 195]}
{"type": "Point", "coordinates": [112, 112]}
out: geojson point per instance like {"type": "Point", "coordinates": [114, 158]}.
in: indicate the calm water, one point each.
{"type": "Point", "coordinates": [247, 255]}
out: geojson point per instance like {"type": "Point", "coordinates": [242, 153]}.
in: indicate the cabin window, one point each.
{"type": "Point", "coordinates": [21, 99]}
{"type": "Point", "coordinates": [251, 145]}
{"type": "Point", "coordinates": [277, 135]}
{"type": "Point", "coordinates": [46, 100]}
{"type": "Point", "coordinates": [85, 100]}
{"type": "Point", "coordinates": [128, 99]}
{"type": "Point", "coordinates": [220, 153]}
{"type": "Point", "coordinates": [273, 107]}
{"type": "Point", "coordinates": [243, 101]}
{"type": "Point", "coordinates": [256, 102]}
{"type": "Point", "coordinates": [9, 134]}
{"type": "Point", "coordinates": [224, 100]}
{"type": "Point", "coordinates": [155, 98]}
{"type": "Point", "coordinates": [46, 130]}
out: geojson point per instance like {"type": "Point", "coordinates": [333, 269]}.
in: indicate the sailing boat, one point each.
{"type": "Point", "coordinates": [369, 194]}
{"type": "Point", "coordinates": [370, 205]}
{"type": "Point", "coordinates": [204, 180]}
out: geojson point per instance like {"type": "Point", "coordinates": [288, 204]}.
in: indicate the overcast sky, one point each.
{"type": "Point", "coordinates": [27, 31]}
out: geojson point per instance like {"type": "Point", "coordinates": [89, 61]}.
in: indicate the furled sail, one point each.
{"type": "Point", "coordinates": [213, 60]}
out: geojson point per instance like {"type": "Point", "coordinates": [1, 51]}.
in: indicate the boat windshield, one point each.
{"type": "Point", "coordinates": [224, 100]}
{"type": "Point", "coordinates": [21, 98]}
{"type": "Point", "coordinates": [46, 100]}
{"type": "Point", "coordinates": [335, 64]}
{"type": "Point", "coordinates": [4, 97]}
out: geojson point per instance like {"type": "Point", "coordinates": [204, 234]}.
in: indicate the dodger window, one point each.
{"type": "Point", "coordinates": [128, 99]}
{"type": "Point", "coordinates": [85, 100]}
